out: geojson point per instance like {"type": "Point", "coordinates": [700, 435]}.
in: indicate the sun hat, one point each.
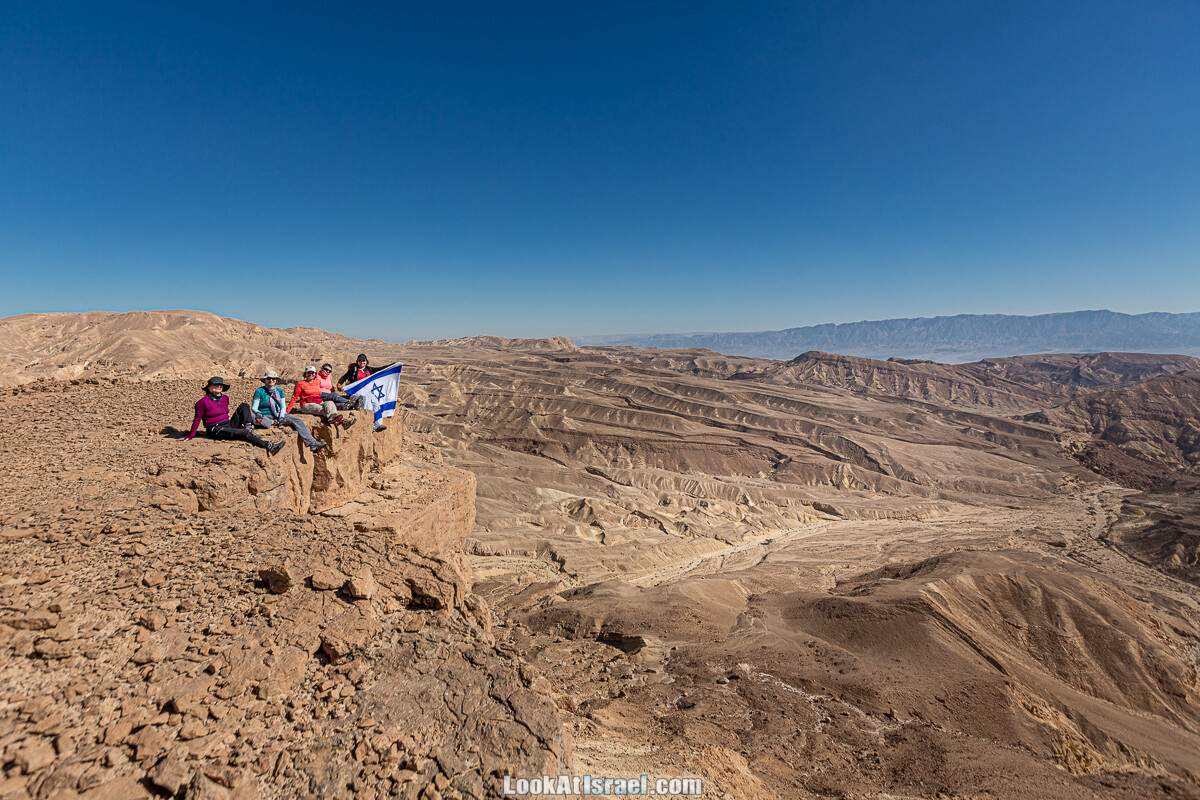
{"type": "Point", "coordinates": [310, 368]}
{"type": "Point", "coordinates": [216, 380]}
{"type": "Point", "coordinates": [270, 374]}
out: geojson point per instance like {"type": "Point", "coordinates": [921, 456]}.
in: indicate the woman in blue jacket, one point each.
{"type": "Point", "coordinates": [269, 407]}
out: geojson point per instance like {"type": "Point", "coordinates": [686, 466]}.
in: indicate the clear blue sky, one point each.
{"type": "Point", "coordinates": [531, 169]}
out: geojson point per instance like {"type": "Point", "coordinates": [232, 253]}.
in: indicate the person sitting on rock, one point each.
{"type": "Point", "coordinates": [267, 406]}
{"type": "Point", "coordinates": [343, 401]}
{"type": "Point", "coordinates": [213, 411]}
{"type": "Point", "coordinates": [360, 369]}
{"type": "Point", "coordinates": [306, 399]}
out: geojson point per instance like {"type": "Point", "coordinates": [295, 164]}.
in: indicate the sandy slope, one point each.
{"type": "Point", "coordinates": [729, 535]}
{"type": "Point", "coordinates": [156, 344]}
{"type": "Point", "coordinates": [788, 581]}
{"type": "Point", "coordinates": [999, 385]}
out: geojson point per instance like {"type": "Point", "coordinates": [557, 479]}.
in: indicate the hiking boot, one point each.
{"type": "Point", "coordinates": [318, 447]}
{"type": "Point", "coordinates": [347, 422]}
{"type": "Point", "coordinates": [275, 447]}
{"type": "Point", "coordinates": [380, 427]}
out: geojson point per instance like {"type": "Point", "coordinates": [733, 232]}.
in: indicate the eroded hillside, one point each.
{"type": "Point", "coordinates": [825, 577]}
{"type": "Point", "coordinates": [723, 574]}
{"type": "Point", "coordinates": [155, 344]}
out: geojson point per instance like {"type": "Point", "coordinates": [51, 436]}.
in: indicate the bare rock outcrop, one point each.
{"type": "Point", "coordinates": [295, 479]}
{"type": "Point", "coordinates": [213, 636]}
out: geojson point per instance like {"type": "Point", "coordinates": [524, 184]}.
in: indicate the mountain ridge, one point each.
{"type": "Point", "coordinates": [955, 338]}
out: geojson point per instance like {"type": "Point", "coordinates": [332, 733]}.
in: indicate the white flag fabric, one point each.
{"type": "Point", "coordinates": [378, 391]}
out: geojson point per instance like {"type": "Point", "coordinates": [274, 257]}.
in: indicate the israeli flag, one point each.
{"type": "Point", "coordinates": [378, 391]}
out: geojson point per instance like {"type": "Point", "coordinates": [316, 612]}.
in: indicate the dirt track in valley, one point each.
{"type": "Point", "coordinates": [826, 578]}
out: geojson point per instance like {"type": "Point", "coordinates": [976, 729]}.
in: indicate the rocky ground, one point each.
{"type": "Point", "coordinates": [846, 580]}
{"type": "Point", "coordinates": [150, 647]}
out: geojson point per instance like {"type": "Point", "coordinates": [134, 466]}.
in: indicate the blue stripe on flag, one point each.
{"type": "Point", "coordinates": [388, 406]}
{"type": "Point", "coordinates": [352, 388]}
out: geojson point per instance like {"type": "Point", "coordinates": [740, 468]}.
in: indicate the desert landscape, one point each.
{"type": "Point", "coordinates": [759, 401]}
{"type": "Point", "coordinates": [828, 576]}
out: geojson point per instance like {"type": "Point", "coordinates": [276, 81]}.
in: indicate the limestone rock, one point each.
{"type": "Point", "coordinates": [362, 585]}
{"type": "Point", "coordinates": [153, 620]}
{"type": "Point", "coordinates": [34, 755]}
{"type": "Point", "coordinates": [152, 635]}
{"type": "Point", "coordinates": [326, 579]}
{"type": "Point", "coordinates": [170, 774]}
{"type": "Point", "coordinates": [278, 578]}
{"type": "Point", "coordinates": [202, 787]}
{"type": "Point", "coordinates": [34, 621]}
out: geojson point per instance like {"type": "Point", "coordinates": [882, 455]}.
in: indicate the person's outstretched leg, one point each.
{"type": "Point", "coordinates": [242, 417]}
{"type": "Point", "coordinates": [303, 432]}
{"type": "Point", "coordinates": [335, 417]}
{"type": "Point", "coordinates": [230, 431]}
{"type": "Point", "coordinates": [340, 400]}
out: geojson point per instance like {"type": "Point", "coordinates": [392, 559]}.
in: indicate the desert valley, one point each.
{"type": "Point", "coordinates": [823, 577]}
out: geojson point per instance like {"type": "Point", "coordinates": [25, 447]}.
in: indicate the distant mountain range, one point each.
{"type": "Point", "coordinates": [964, 337]}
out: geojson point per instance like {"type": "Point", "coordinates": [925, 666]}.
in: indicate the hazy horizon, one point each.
{"type": "Point", "coordinates": [585, 338]}
{"type": "Point", "coordinates": [596, 171]}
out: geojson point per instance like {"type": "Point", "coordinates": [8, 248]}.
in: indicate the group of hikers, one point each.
{"type": "Point", "coordinates": [315, 394]}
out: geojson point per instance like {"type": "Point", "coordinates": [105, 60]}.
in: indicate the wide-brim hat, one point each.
{"type": "Point", "coordinates": [216, 380]}
{"type": "Point", "coordinates": [269, 374]}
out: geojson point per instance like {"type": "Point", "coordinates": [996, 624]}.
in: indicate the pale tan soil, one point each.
{"type": "Point", "coordinates": [1003, 385]}
{"type": "Point", "coordinates": [143, 652]}
{"type": "Point", "coordinates": [626, 507]}
{"type": "Point", "coordinates": [794, 591]}
{"type": "Point", "coordinates": [157, 344]}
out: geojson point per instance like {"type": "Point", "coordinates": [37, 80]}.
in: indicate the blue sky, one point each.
{"type": "Point", "coordinates": [557, 168]}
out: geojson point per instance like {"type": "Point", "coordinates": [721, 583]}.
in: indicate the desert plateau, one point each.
{"type": "Point", "coordinates": [823, 577]}
{"type": "Point", "coordinates": [756, 401]}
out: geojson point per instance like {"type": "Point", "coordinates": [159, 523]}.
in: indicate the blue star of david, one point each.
{"type": "Point", "coordinates": [377, 390]}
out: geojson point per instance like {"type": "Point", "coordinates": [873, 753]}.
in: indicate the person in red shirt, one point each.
{"type": "Point", "coordinates": [360, 369]}
{"type": "Point", "coordinates": [306, 399]}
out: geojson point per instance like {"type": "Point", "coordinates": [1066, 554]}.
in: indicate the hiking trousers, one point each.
{"type": "Point", "coordinates": [238, 428]}
{"type": "Point", "coordinates": [343, 402]}
{"type": "Point", "coordinates": [326, 409]}
{"type": "Point", "coordinates": [293, 422]}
